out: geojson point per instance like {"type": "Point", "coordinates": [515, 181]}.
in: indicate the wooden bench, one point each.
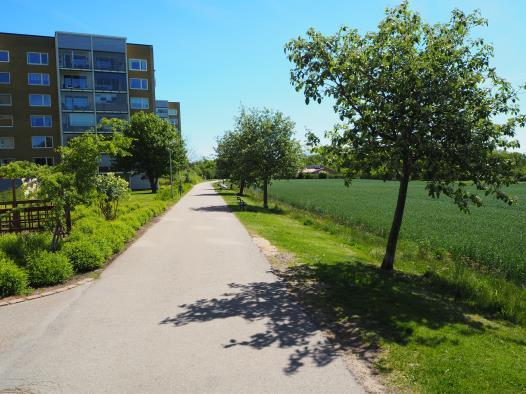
{"type": "Point", "coordinates": [242, 204]}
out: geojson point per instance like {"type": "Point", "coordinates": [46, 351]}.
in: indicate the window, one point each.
{"type": "Point", "coordinates": [138, 64]}
{"type": "Point", "coordinates": [5, 100]}
{"type": "Point", "coordinates": [139, 103]}
{"type": "Point", "coordinates": [40, 100]}
{"type": "Point", "coordinates": [162, 112]}
{"type": "Point", "coordinates": [75, 82]}
{"type": "Point", "coordinates": [7, 142]}
{"type": "Point", "coordinates": [41, 141]}
{"type": "Point", "coordinates": [173, 122]}
{"type": "Point", "coordinates": [6, 161]}
{"type": "Point", "coordinates": [172, 112]}
{"type": "Point", "coordinates": [4, 56]}
{"type": "Point", "coordinates": [5, 77]}
{"type": "Point", "coordinates": [43, 161]}
{"type": "Point", "coordinates": [41, 121]}
{"type": "Point", "coordinates": [39, 58]}
{"type": "Point", "coordinates": [6, 120]}
{"type": "Point", "coordinates": [138, 83]}
{"type": "Point", "coordinates": [38, 79]}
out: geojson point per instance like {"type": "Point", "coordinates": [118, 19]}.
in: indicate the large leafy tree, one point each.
{"type": "Point", "coordinates": [154, 141]}
{"type": "Point", "coordinates": [414, 98]}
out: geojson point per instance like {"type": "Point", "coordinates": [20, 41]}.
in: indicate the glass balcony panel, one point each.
{"type": "Point", "coordinates": [72, 121]}
{"type": "Point", "coordinates": [114, 102]}
{"type": "Point", "coordinates": [77, 102]}
{"type": "Point", "coordinates": [109, 44]}
{"type": "Point", "coordinates": [74, 41]}
{"type": "Point", "coordinates": [74, 81]}
{"type": "Point", "coordinates": [69, 58]}
{"type": "Point", "coordinates": [109, 61]}
{"type": "Point", "coordinates": [110, 82]}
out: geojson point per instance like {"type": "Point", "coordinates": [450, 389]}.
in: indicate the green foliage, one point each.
{"type": "Point", "coordinates": [433, 224]}
{"type": "Point", "coordinates": [205, 168]}
{"type": "Point", "coordinates": [13, 279]}
{"type": "Point", "coordinates": [19, 246]}
{"type": "Point", "coordinates": [84, 255]}
{"type": "Point", "coordinates": [47, 268]}
{"type": "Point", "coordinates": [111, 190]}
{"type": "Point", "coordinates": [153, 138]}
{"type": "Point", "coordinates": [415, 98]}
{"type": "Point", "coordinates": [260, 149]}
{"type": "Point", "coordinates": [424, 337]}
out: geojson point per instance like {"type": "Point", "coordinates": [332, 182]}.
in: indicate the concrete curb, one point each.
{"type": "Point", "coordinates": [46, 293]}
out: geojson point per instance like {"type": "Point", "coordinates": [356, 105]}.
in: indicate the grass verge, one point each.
{"type": "Point", "coordinates": [410, 326]}
{"type": "Point", "coordinates": [26, 261]}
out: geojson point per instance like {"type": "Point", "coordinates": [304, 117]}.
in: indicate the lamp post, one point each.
{"type": "Point", "coordinates": [171, 174]}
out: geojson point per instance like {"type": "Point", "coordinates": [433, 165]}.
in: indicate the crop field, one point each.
{"type": "Point", "coordinates": [493, 235]}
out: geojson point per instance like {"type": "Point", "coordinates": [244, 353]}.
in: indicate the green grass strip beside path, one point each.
{"type": "Point", "coordinates": [427, 341]}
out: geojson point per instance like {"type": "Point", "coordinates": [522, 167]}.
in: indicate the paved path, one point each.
{"type": "Point", "coordinates": [189, 307]}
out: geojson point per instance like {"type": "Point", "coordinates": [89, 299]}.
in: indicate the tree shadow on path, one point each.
{"type": "Point", "coordinates": [286, 324]}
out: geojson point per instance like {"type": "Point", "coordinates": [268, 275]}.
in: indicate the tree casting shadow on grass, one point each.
{"type": "Point", "coordinates": [363, 305]}
{"type": "Point", "coordinates": [286, 324]}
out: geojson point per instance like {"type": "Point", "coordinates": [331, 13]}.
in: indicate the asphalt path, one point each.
{"type": "Point", "coordinates": [190, 306]}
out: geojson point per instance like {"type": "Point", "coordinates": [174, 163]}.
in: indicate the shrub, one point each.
{"type": "Point", "coordinates": [83, 255]}
{"type": "Point", "coordinates": [13, 279]}
{"type": "Point", "coordinates": [111, 190]}
{"type": "Point", "coordinates": [10, 244]}
{"type": "Point", "coordinates": [46, 269]}
{"type": "Point", "coordinates": [20, 247]}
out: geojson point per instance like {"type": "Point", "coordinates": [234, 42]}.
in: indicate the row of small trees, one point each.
{"type": "Point", "coordinates": [259, 149]}
{"type": "Point", "coordinates": [144, 144]}
{"type": "Point", "coordinates": [416, 101]}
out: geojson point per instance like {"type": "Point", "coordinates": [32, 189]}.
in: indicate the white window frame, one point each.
{"type": "Point", "coordinates": [12, 139]}
{"type": "Point", "coordinates": [141, 80]}
{"type": "Point", "coordinates": [142, 100]}
{"type": "Point", "coordinates": [42, 95]}
{"type": "Point", "coordinates": [8, 56]}
{"type": "Point", "coordinates": [10, 100]}
{"type": "Point", "coordinates": [45, 142]}
{"type": "Point", "coordinates": [40, 54]}
{"type": "Point", "coordinates": [41, 127]}
{"type": "Point", "coordinates": [12, 120]}
{"type": "Point", "coordinates": [46, 158]}
{"type": "Point", "coordinates": [41, 79]}
{"type": "Point", "coordinates": [130, 61]}
{"type": "Point", "coordinates": [9, 77]}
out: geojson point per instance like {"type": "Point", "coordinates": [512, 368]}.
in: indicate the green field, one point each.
{"type": "Point", "coordinates": [494, 235]}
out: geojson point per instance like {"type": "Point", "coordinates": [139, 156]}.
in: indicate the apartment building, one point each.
{"type": "Point", "coordinates": [53, 88]}
{"type": "Point", "coordinates": [169, 110]}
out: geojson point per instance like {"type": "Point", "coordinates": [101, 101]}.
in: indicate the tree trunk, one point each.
{"type": "Point", "coordinates": [390, 250]}
{"type": "Point", "coordinates": [153, 183]}
{"type": "Point", "coordinates": [265, 193]}
{"type": "Point", "coordinates": [241, 187]}
{"type": "Point", "coordinates": [67, 214]}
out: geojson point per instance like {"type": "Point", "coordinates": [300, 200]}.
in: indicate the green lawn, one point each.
{"type": "Point", "coordinates": [494, 235]}
{"type": "Point", "coordinates": [428, 340]}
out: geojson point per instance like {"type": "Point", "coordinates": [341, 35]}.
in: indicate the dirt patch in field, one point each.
{"type": "Point", "coordinates": [358, 355]}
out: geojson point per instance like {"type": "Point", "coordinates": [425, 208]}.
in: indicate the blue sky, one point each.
{"type": "Point", "coordinates": [213, 56]}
